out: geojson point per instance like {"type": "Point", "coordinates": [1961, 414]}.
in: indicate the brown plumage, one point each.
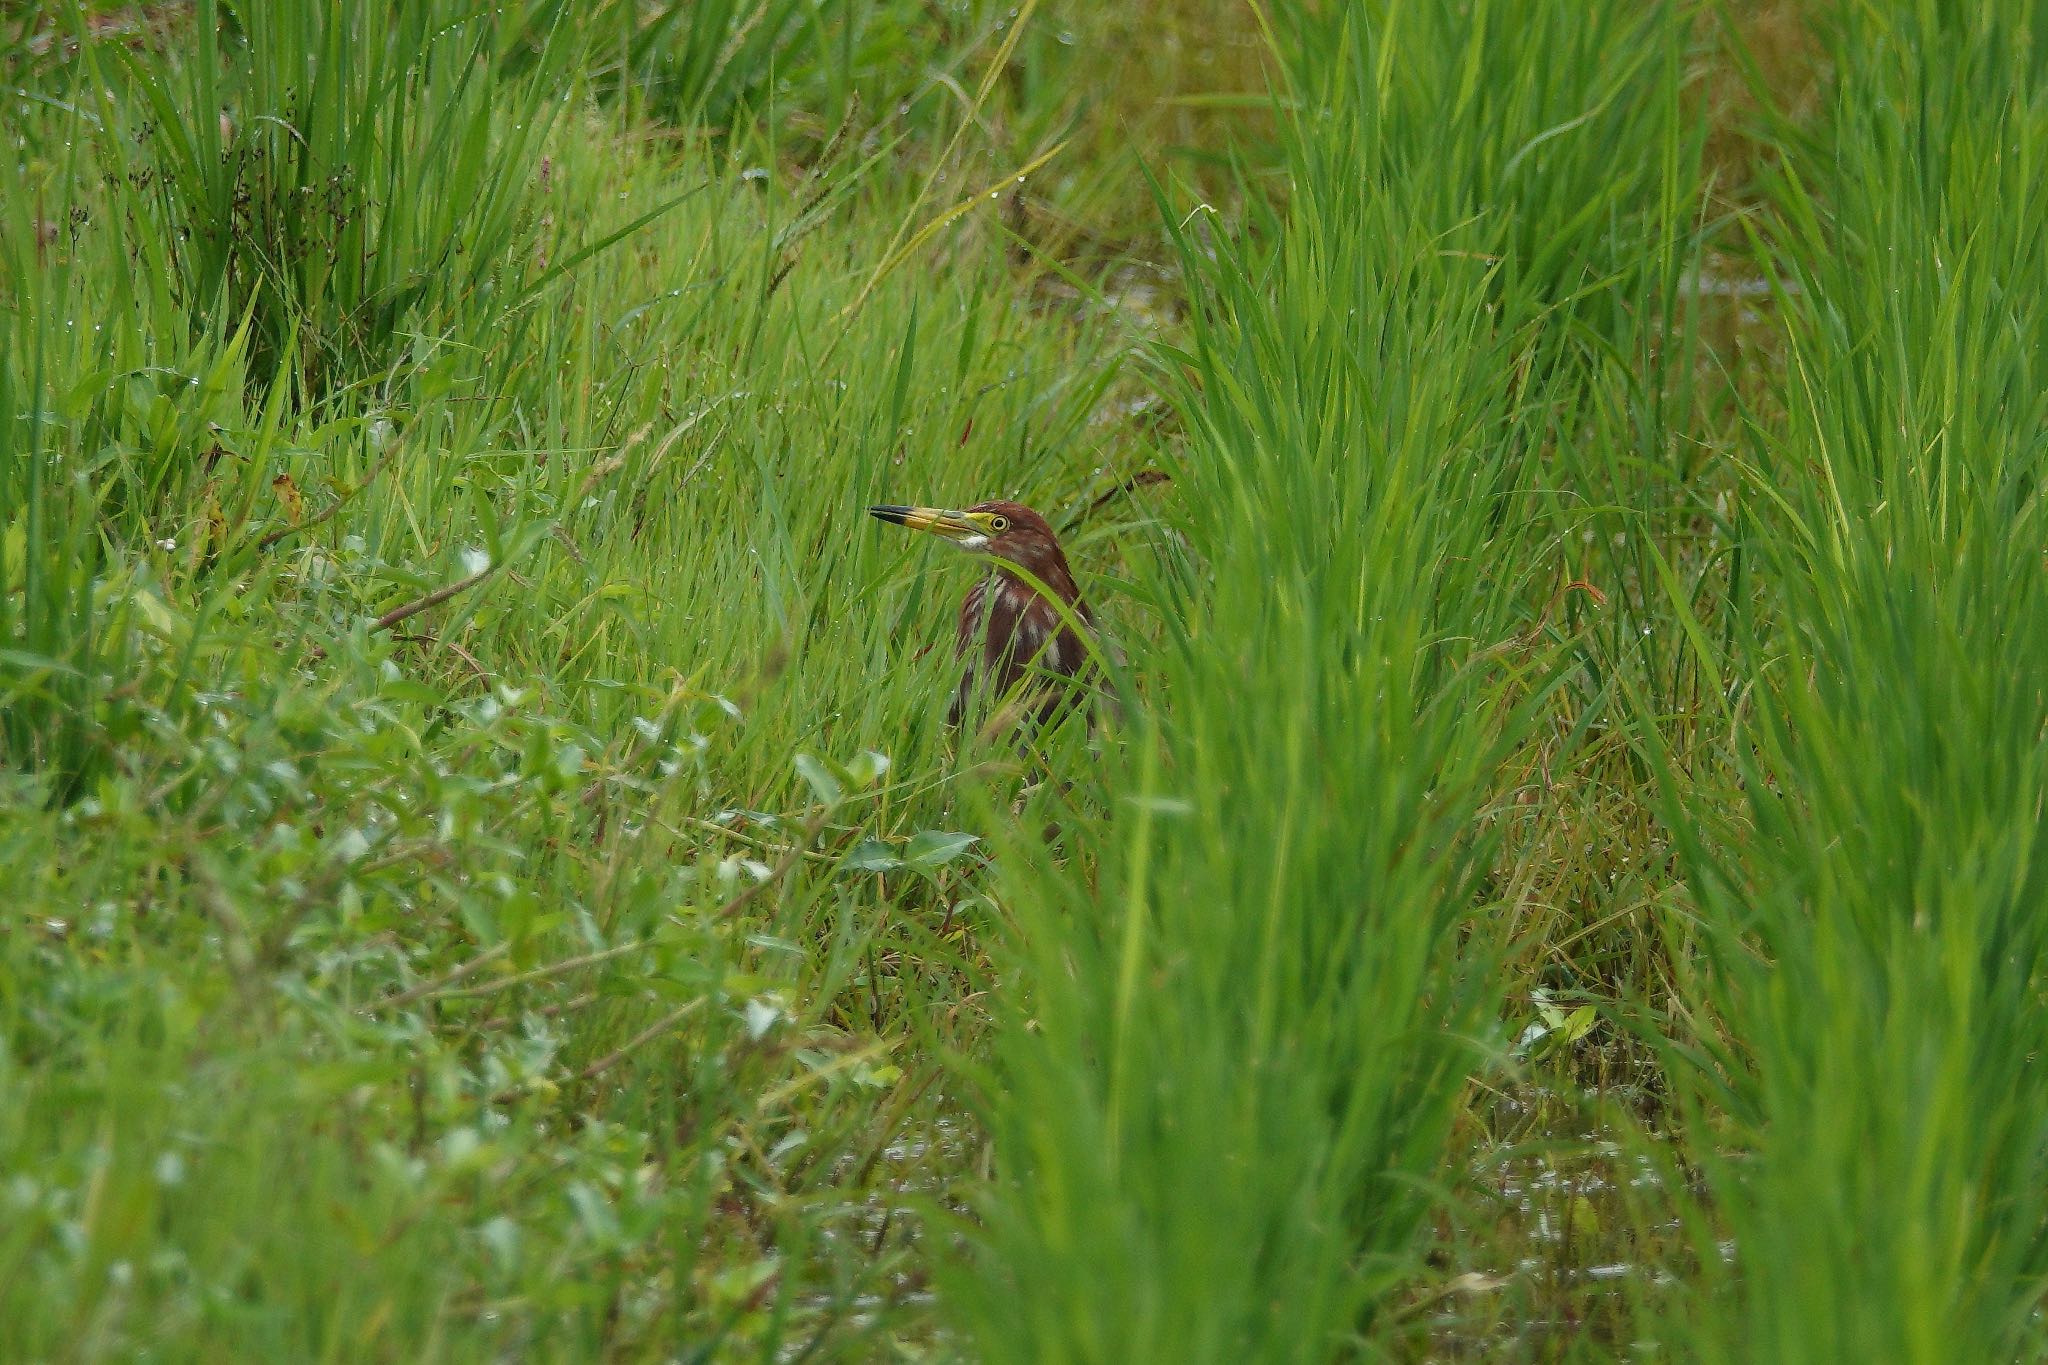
{"type": "Point", "coordinates": [1008, 632]}
{"type": "Point", "coordinates": [1010, 625]}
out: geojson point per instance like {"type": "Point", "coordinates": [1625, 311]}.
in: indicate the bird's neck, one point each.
{"type": "Point", "coordinates": [1050, 570]}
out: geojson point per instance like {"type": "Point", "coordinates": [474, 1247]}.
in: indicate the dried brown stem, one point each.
{"type": "Point", "coordinates": [432, 599]}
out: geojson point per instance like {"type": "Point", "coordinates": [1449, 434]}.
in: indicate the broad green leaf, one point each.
{"type": "Point", "coordinates": [931, 849]}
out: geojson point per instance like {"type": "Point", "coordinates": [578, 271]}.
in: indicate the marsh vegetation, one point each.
{"type": "Point", "coordinates": [486, 874]}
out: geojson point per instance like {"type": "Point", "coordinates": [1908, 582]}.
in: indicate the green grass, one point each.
{"type": "Point", "coordinates": [1231, 1083]}
{"type": "Point", "coordinates": [1877, 950]}
{"type": "Point", "coordinates": [487, 876]}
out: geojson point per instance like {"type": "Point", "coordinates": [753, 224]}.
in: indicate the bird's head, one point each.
{"type": "Point", "coordinates": [1003, 530]}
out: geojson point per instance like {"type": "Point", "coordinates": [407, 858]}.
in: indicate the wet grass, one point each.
{"type": "Point", "coordinates": [487, 875]}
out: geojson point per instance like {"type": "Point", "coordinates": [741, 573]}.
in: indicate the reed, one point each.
{"type": "Point", "coordinates": [1877, 947]}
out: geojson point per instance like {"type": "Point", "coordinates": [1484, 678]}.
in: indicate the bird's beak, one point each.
{"type": "Point", "coordinates": [957, 527]}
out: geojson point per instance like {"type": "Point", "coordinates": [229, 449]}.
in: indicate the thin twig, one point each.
{"type": "Point", "coordinates": [739, 837]}
{"type": "Point", "coordinates": [899, 1112]}
{"type": "Point", "coordinates": [327, 513]}
{"type": "Point", "coordinates": [483, 674]}
{"type": "Point", "coordinates": [1144, 478]}
{"type": "Point", "coordinates": [567, 964]}
{"type": "Point", "coordinates": [417, 605]}
{"type": "Point", "coordinates": [776, 873]}
{"type": "Point", "coordinates": [440, 988]}
{"type": "Point", "coordinates": [432, 599]}
{"type": "Point", "coordinates": [569, 1006]}
{"type": "Point", "coordinates": [425, 988]}
{"type": "Point", "coordinates": [639, 1040]}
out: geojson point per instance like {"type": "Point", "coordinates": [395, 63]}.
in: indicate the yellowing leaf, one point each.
{"type": "Point", "coordinates": [288, 495]}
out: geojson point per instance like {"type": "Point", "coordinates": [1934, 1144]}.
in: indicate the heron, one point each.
{"type": "Point", "coordinates": [1010, 630]}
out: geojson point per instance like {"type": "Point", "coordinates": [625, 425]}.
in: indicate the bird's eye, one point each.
{"type": "Point", "coordinates": [999, 524]}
